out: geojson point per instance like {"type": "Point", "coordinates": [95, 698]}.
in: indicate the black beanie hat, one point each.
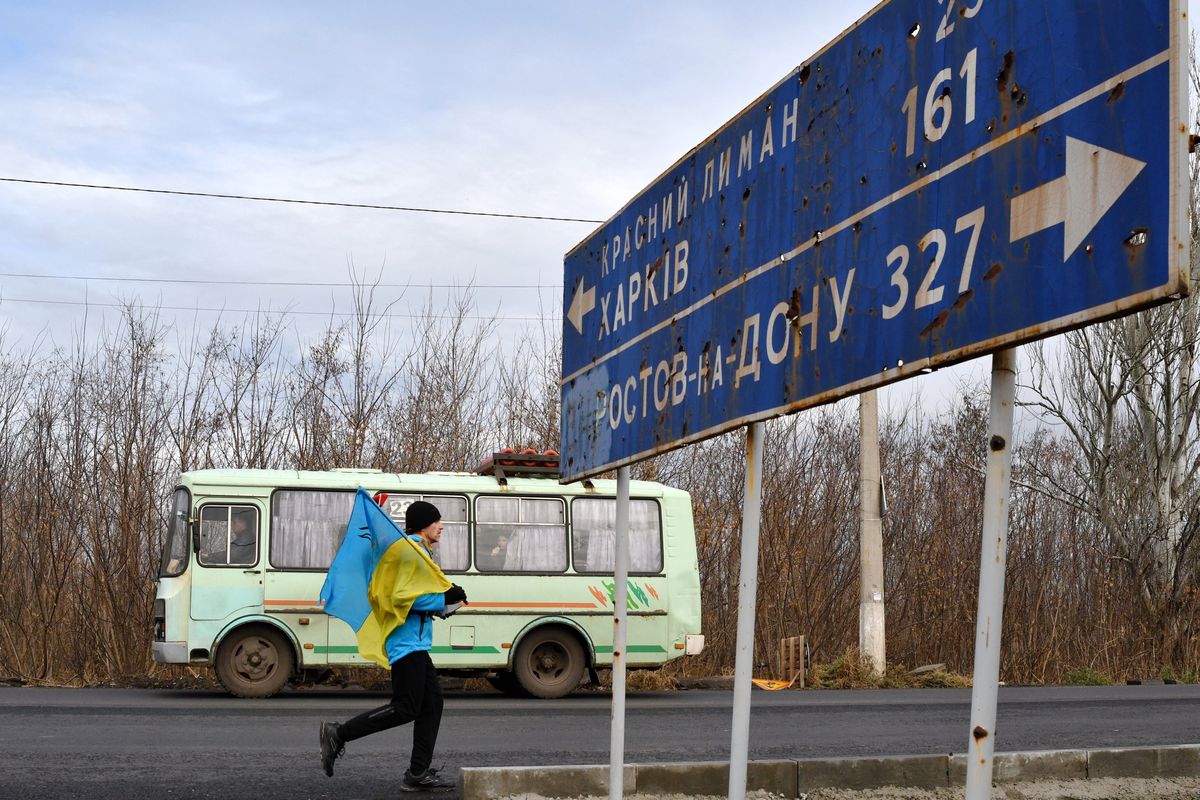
{"type": "Point", "coordinates": [419, 516]}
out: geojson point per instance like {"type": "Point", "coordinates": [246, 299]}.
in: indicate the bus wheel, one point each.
{"type": "Point", "coordinates": [504, 681]}
{"type": "Point", "coordinates": [549, 663]}
{"type": "Point", "coordinates": [254, 662]}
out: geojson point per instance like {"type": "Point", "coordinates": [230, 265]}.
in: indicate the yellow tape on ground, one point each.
{"type": "Point", "coordinates": [772, 685]}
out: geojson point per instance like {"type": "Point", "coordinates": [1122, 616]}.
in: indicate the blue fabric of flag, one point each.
{"type": "Point", "coordinates": [376, 577]}
{"type": "Point", "coordinates": [369, 534]}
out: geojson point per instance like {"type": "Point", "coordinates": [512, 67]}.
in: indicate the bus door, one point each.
{"type": "Point", "coordinates": [228, 576]}
{"type": "Point", "coordinates": [292, 598]}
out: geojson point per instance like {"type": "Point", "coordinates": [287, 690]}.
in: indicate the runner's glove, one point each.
{"type": "Point", "coordinates": [455, 595]}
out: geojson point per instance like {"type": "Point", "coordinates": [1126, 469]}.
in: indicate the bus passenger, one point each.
{"type": "Point", "coordinates": [493, 558]}
{"type": "Point", "coordinates": [416, 692]}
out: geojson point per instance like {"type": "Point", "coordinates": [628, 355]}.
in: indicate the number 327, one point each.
{"type": "Point", "coordinates": [936, 240]}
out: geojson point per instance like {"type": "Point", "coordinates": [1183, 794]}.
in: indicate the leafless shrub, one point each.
{"type": "Point", "coordinates": [93, 435]}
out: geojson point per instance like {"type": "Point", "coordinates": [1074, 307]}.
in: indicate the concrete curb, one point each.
{"type": "Point", "coordinates": [790, 778]}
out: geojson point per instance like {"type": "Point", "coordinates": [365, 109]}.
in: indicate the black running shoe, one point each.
{"type": "Point", "coordinates": [427, 781]}
{"type": "Point", "coordinates": [331, 746]}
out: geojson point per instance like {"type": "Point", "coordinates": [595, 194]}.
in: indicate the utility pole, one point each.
{"type": "Point", "coordinates": [871, 640]}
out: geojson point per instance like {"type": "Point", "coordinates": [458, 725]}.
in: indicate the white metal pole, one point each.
{"type": "Point", "coordinates": [747, 594]}
{"type": "Point", "coordinates": [616, 765]}
{"type": "Point", "coordinates": [981, 744]}
{"type": "Point", "coordinates": [871, 640]}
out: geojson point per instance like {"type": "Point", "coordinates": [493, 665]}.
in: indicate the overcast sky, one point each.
{"type": "Point", "coordinates": [540, 108]}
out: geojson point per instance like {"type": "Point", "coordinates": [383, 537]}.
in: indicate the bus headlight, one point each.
{"type": "Point", "coordinates": [694, 644]}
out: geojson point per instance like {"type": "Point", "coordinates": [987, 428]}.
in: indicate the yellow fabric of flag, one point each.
{"type": "Point", "coordinates": [404, 573]}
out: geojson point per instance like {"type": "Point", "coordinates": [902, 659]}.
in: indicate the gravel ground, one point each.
{"type": "Point", "coordinates": [1099, 789]}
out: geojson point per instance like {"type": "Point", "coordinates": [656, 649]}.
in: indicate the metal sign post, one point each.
{"type": "Point", "coordinates": [993, 555]}
{"type": "Point", "coordinates": [616, 763]}
{"type": "Point", "coordinates": [739, 746]}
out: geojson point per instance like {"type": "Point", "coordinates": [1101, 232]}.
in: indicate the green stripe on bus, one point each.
{"type": "Point", "coordinates": [634, 648]}
{"type": "Point", "coordinates": [347, 649]}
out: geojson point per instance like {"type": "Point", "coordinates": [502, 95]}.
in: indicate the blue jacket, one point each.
{"type": "Point", "coordinates": [417, 631]}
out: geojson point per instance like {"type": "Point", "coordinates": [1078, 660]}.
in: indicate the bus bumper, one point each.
{"type": "Point", "coordinates": [170, 652]}
{"type": "Point", "coordinates": [693, 644]}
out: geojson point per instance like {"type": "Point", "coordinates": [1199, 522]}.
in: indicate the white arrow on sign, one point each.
{"type": "Point", "coordinates": [581, 304]}
{"type": "Point", "coordinates": [1095, 179]}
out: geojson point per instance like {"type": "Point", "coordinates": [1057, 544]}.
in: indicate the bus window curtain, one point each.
{"type": "Point", "coordinates": [594, 523]}
{"type": "Point", "coordinates": [307, 527]}
{"type": "Point", "coordinates": [536, 550]}
{"type": "Point", "coordinates": [452, 552]}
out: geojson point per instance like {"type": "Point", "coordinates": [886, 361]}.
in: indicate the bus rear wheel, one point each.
{"type": "Point", "coordinates": [254, 662]}
{"type": "Point", "coordinates": [549, 663]}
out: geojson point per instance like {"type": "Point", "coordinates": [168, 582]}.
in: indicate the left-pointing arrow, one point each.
{"type": "Point", "coordinates": [581, 304]}
{"type": "Point", "coordinates": [1094, 180]}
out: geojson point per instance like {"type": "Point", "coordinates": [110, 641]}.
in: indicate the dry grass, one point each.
{"type": "Point", "coordinates": [851, 670]}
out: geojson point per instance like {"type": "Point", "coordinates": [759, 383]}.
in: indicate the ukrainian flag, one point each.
{"type": "Point", "coordinates": [376, 575]}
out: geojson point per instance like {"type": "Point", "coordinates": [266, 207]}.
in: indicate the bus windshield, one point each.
{"type": "Point", "coordinates": [175, 545]}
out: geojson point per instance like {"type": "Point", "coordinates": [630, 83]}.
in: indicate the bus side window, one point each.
{"type": "Point", "coordinates": [520, 534]}
{"type": "Point", "coordinates": [452, 553]}
{"type": "Point", "coordinates": [593, 534]}
{"type": "Point", "coordinates": [228, 536]}
{"type": "Point", "coordinates": [307, 526]}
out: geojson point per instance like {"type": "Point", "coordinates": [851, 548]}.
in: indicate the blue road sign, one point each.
{"type": "Point", "coordinates": [947, 178]}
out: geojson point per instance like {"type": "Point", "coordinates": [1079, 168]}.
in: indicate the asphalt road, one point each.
{"type": "Point", "coordinates": [116, 743]}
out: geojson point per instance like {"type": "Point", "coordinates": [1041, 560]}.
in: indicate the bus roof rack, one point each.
{"type": "Point", "coordinates": [508, 463]}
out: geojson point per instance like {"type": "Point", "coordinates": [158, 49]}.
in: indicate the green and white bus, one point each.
{"type": "Point", "coordinates": [246, 552]}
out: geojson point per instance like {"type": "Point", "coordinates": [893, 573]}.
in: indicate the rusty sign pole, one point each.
{"type": "Point", "coordinates": [993, 555]}
{"type": "Point", "coordinates": [616, 762]}
{"type": "Point", "coordinates": [747, 594]}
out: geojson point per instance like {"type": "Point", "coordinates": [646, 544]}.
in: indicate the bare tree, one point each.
{"type": "Point", "coordinates": [247, 390]}
{"type": "Point", "coordinates": [193, 419]}
{"type": "Point", "coordinates": [528, 391]}
{"type": "Point", "coordinates": [1126, 392]}
{"type": "Point", "coordinates": [439, 420]}
{"type": "Point", "coordinates": [93, 435]}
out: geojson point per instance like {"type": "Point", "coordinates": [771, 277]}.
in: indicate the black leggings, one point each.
{"type": "Point", "coordinates": [416, 698]}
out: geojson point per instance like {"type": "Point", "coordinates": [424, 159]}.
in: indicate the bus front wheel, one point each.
{"type": "Point", "coordinates": [254, 662]}
{"type": "Point", "coordinates": [549, 663]}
